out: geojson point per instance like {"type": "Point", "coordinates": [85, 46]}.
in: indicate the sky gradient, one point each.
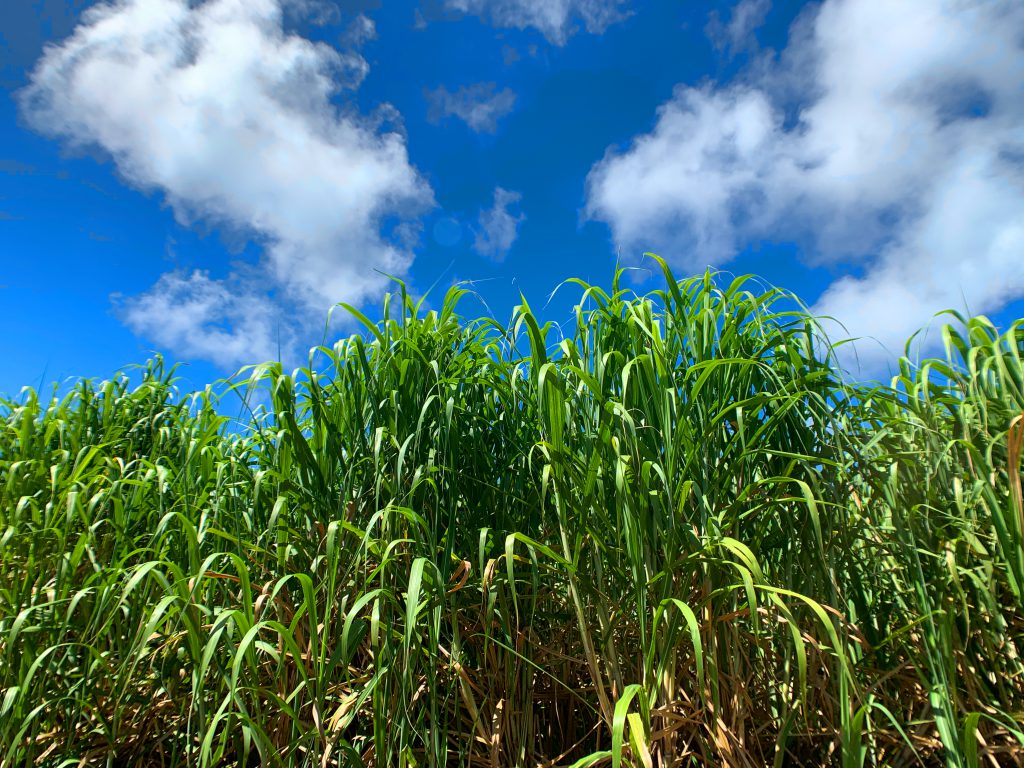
{"type": "Point", "coordinates": [205, 179]}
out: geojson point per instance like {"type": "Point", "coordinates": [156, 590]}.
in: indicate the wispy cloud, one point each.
{"type": "Point", "coordinates": [10, 167]}
{"type": "Point", "coordinates": [499, 225]}
{"type": "Point", "coordinates": [557, 20]}
{"type": "Point", "coordinates": [480, 105]}
{"type": "Point", "coordinates": [360, 30]}
{"type": "Point", "coordinates": [904, 162]}
{"type": "Point", "coordinates": [229, 116]}
{"type": "Point", "coordinates": [320, 13]}
{"type": "Point", "coordinates": [738, 33]}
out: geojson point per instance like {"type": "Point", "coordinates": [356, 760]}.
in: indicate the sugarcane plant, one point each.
{"type": "Point", "coordinates": [671, 533]}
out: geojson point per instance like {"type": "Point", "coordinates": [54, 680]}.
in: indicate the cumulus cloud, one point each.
{"type": "Point", "coordinates": [480, 105]}
{"type": "Point", "coordinates": [231, 118]}
{"type": "Point", "coordinates": [499, 226]}
{"type": "Point", "coordinates": [215, 320]}
{"type": "Point", "coordinates": [901, 158]}
{"type": "Point", "coordinates": [555, 19]}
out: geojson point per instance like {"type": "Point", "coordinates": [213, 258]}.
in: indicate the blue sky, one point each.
{"type": "Point", "coordinates": [205, 178]}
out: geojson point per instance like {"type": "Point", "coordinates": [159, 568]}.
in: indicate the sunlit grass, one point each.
{"type": "Point", "coordinates": [672, 537]}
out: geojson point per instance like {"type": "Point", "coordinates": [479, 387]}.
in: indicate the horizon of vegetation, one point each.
{"type": "Point", "coordinates": [672, 535]}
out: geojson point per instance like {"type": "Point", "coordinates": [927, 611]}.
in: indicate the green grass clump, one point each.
{"type": "Point", "coordinates": [671, 537]}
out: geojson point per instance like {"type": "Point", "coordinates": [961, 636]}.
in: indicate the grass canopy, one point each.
{"type": "Point", "coordinates": [672, 536]}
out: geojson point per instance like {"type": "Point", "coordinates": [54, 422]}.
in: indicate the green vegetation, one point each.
{"type": "Point", "coordinates": [673, 536]}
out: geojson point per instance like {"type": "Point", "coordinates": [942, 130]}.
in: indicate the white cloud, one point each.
{"type": "Point", "coordinates": [555, 19]}
{"type": "Point", "coordinates": [231, 118]}
{"type": "Point", "coordinates": [905, 160]}
{"type": "Point", "coordinates": [499, 226]}
{"type": "Point", "coordinates": [212, 319]}
{"type": "Point", "coordinates": [361, 30]}
{"type": "Point", "coordinates": [738, 33]}
{"type": "Point", "coordinates": [679, 189]}
{"type": "Point", "coordinates": [320, 13]}
{"type": "Point", "coordinates": [479, 105]}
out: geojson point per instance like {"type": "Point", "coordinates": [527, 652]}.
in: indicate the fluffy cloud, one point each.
{"type": "Point", "coordinates": [555, 19]}
{"type": "Point", "coordinates": [902, 157]}
{"type": "Point", "coordinates": [230, 117]}
{"type": "Point", "coordinates": [480, 105]}
{"type": "Point", "coordinates": [499, 226]}
{"type": "Point", "coordinates": [215, 320]}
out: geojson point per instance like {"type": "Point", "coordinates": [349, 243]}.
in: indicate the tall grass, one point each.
{"type": "Point", "coordinates": [671, 537]}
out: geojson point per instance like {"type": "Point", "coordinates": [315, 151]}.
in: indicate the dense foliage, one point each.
{"type": "Point", "coordinates": [672, 536]}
